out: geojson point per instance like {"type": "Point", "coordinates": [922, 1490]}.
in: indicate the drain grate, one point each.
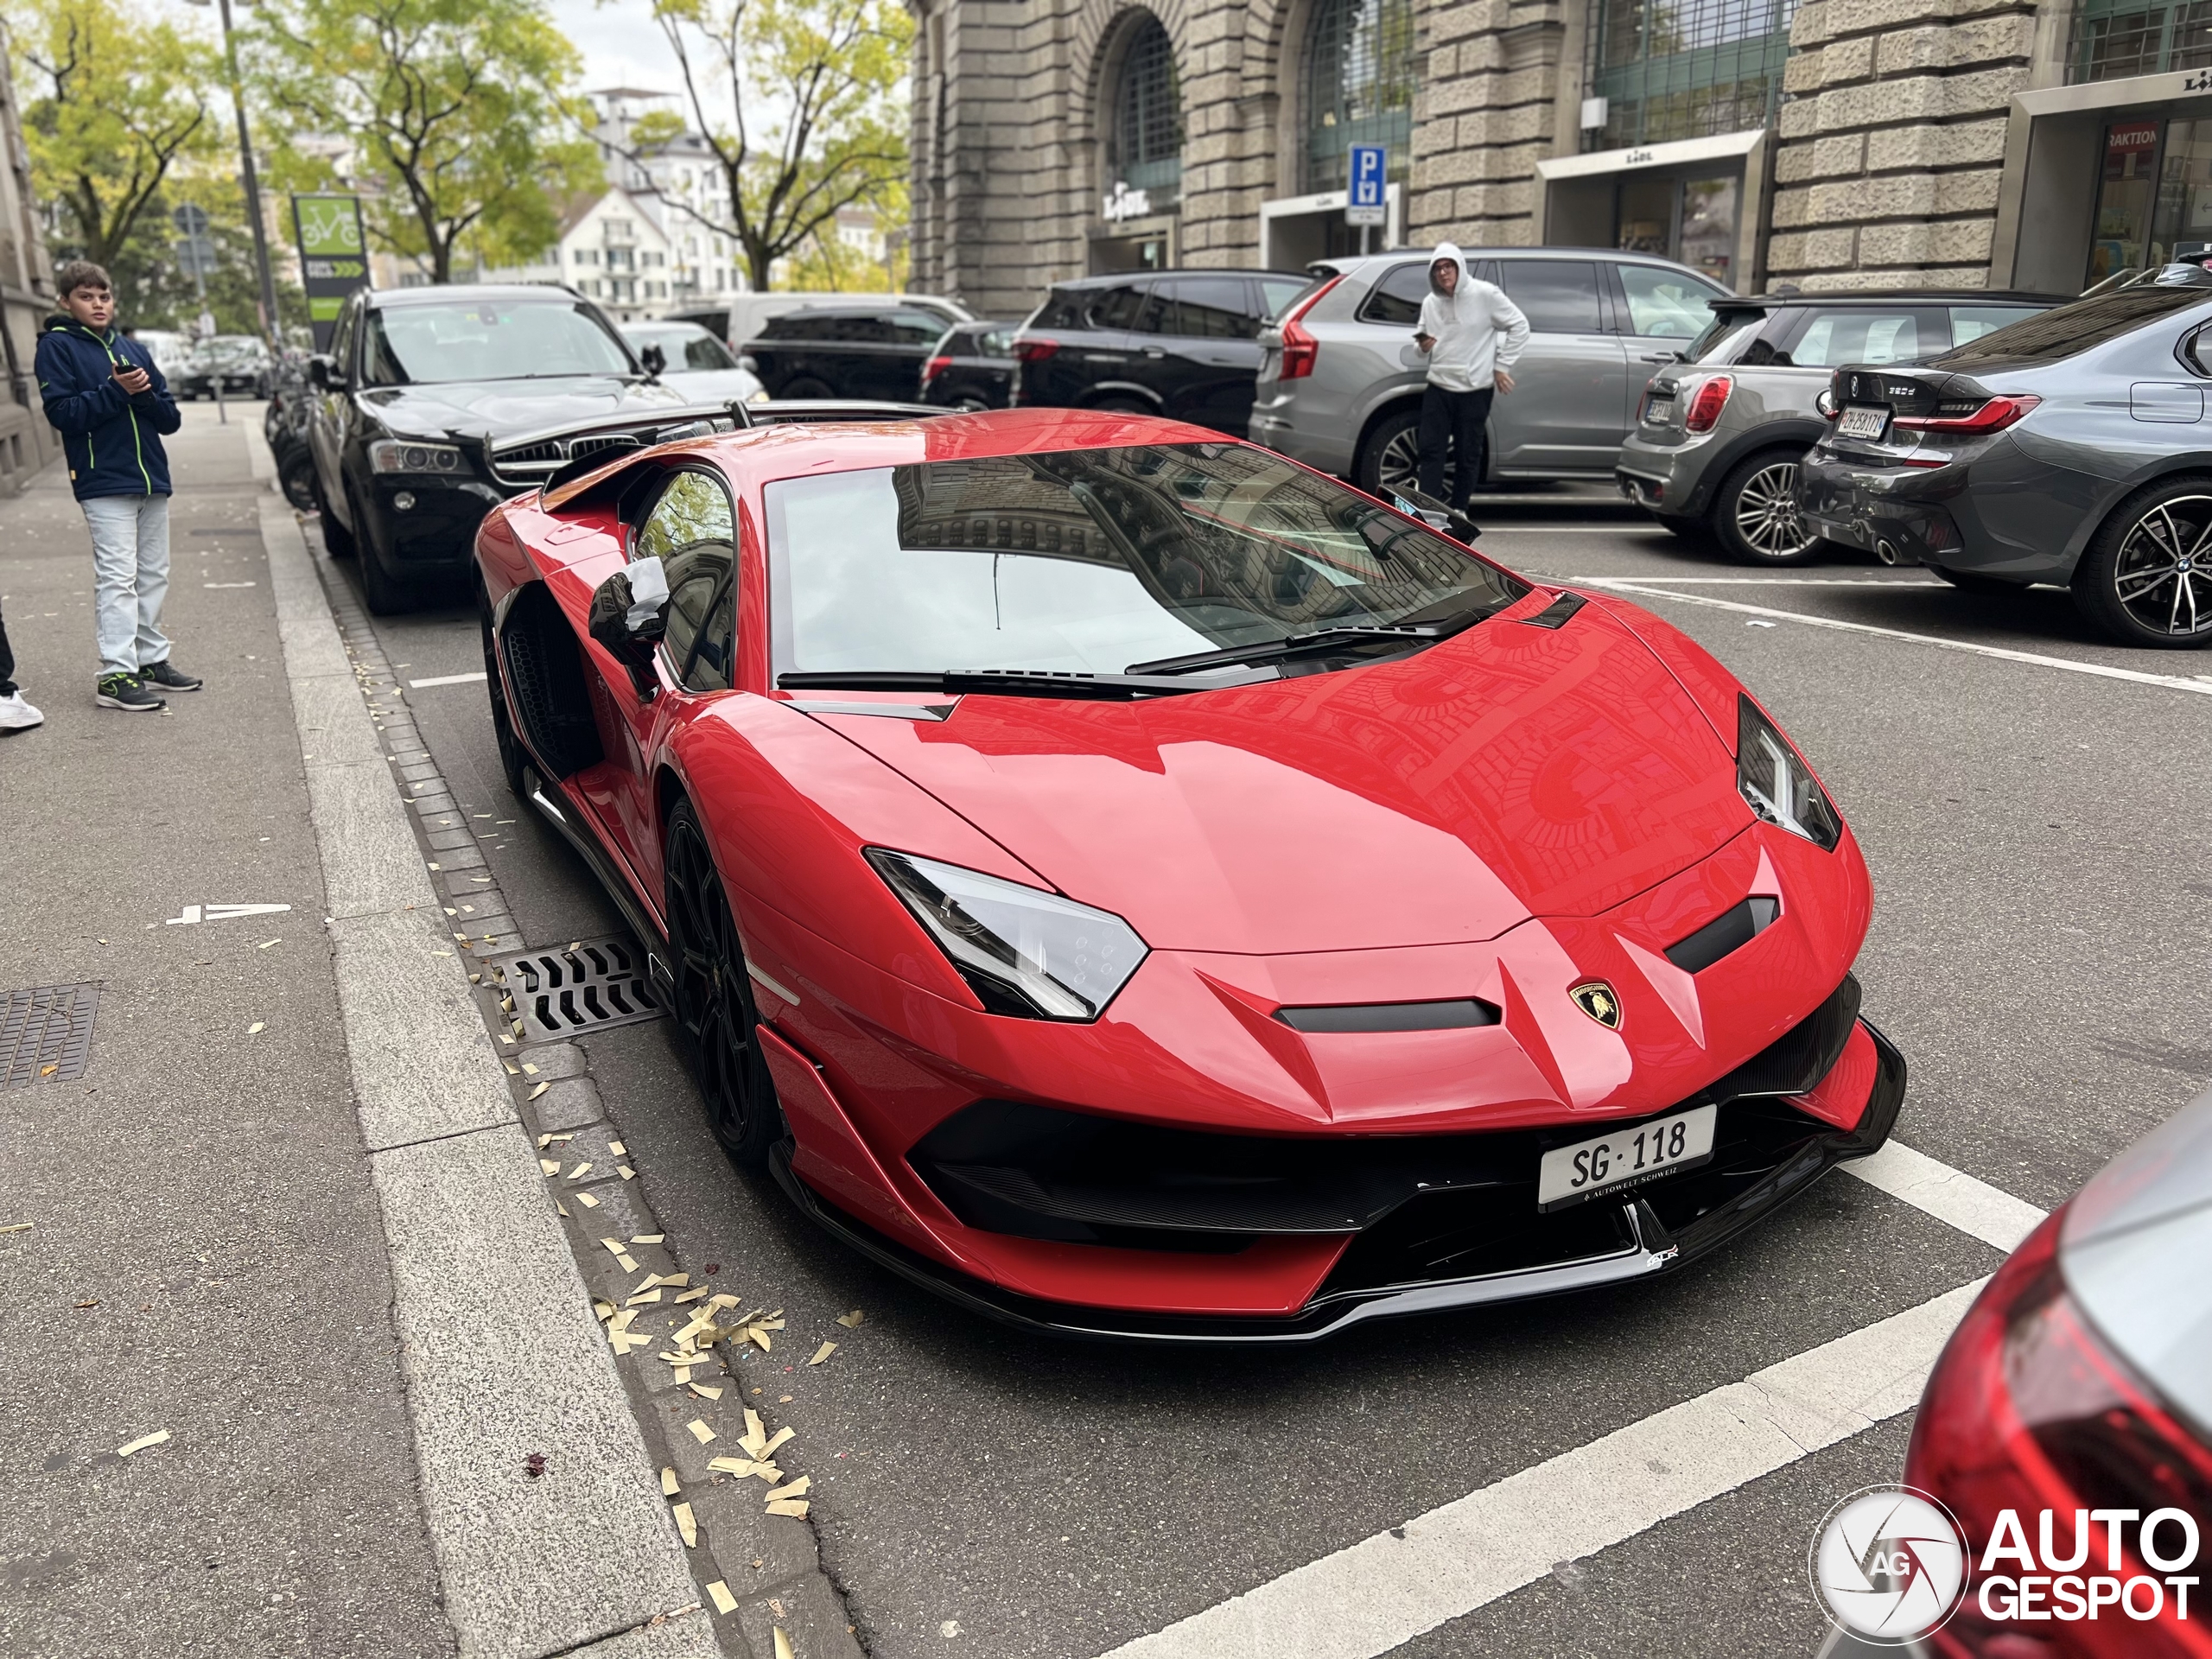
{"type": "Point", "coordinates": [590, 984]}
{"type": "Point", "coordinates": [46, 1033]}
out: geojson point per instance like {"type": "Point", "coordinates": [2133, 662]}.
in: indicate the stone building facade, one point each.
{"type": "Point", "coordinates": [1953, 143]}
{"type": "Point", "coordinates": [27, 442]}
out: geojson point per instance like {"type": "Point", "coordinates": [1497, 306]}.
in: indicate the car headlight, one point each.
{"type": "Point", "coordinates": [1779, 786]}
{"type": "Point", "coordinates": [405, 455]}
{"type": "Point", "coordinates": [1023, 951]}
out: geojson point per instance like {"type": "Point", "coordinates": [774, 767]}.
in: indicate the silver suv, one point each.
{"type": "Point", "coordinates": [1716, 447]}
{"type": "Point", "coordinates": [1340, 380]}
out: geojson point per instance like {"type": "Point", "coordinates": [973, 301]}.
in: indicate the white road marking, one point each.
{"type": "Point", "coordinates": [195, 914]}
{"type": "Point", "coordinates": [1576, 530]}
{"type": "Point", "coordinates": [227, 584]}
{"type": "Point", "coordinates": [2070, 664]}
{"type": "Point", "coordinates": [477, 678]}
{"type": "Point", "coordinates": [1768, 582]}
{"type": "Point", "coordinates": [1385, 1590]}
{"type": "Point", "coordinates": [1985, 1212]}
{"type": "Point", "coordinates": [1377, 1594]}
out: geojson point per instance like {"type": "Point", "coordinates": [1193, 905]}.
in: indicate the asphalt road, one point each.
{"type": "Point", "coordinates": [2039, 840]}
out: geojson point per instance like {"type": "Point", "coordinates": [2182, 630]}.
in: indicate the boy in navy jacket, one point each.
{"type": "Point", "coordinates": [111, 406]}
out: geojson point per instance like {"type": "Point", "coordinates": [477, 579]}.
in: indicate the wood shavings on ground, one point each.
{"type": "Point", "coordinates": [669, 1487]}
{"type": "Point", "coordinates": [642, 1296]}
{"type": "Point", "coordinates": [587, 1200]}
{"type": "Point", "coordinates": [798, 1488]}
{"type": "Point", "coordinates": [603, 1309]}
{"type": "Point", "coordinates": [822, 1353]}
{"type": "Point", "coordinates": [550, 1166]}
{"type": "Point", "coordinates": [740, 1467]}
{"type": "Point", "coordinates": [755, 1438]}
{"type": "Point", "coordinates": [577, 1174]}
{"type": "Point", "coordinates": [686, 1528]}
{"type": "Point", "coordinates": [621, 1336]}
{"type": "Point", "coordinates": [851, 1321]}
{"type": "Point", "coordinates": [708, 1390]}
{"type": "Point", "coordinates": [649, 1238]}
{"type": "Point", "coordinates": [724, 1602]}
{"type": "Point", "coordinates": [545, 1140]}
{"type": "Point", "coordinates": [700, 1431]}
{"type": "Point", "coordinates": [530, 1066]}
{"type": "Point", "coordinates": [625, 1171]}
{"type": "Point", "coordinates": [692, 1295]}
{"type": "Point", "coordinates": [256, 1026]}
{"type": "Point", "coordinates": [617, 1147]}
{"type": "Point", "coordinates": [563, 1208]}
{"type": "Point", "coordinates": [784, 1643]}
{"type": "Point", "coordinates": [18, 1227]}
{"type": "Point", "coordinates": [775, 1440]}
{"type": "Point", "coordinates": [536, 1092]}
{"type": "Point", "coordinates": [795, 1507]}
{"type": "Point", "coordinates": [157, 1438]}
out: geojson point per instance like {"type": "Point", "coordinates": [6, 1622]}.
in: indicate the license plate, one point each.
{"type": "Point", "coordinates": [1625, 1158]}
{"type": "Point", "coordinates": [1658, 411]}
{"type": "Point", "coordinates": [1863, 423]}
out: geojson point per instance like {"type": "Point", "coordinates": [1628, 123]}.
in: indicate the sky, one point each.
{"type": "Point", "coordinates": [620, 44]}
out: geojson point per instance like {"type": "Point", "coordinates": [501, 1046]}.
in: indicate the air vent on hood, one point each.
{"type": "Point", "coordinates": [1729, 932]}
{"type": "Point", "coordinates": [1455, 1015]}
{"type": "Point", "coordinates": [1556, 614]}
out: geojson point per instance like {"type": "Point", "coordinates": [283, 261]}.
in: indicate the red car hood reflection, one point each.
{"type": "Point", "coordinates": [1509, 772]}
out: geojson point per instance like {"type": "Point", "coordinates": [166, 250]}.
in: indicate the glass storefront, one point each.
{"type": "Point", "coordinates": [1669, 69]}
{"type": "Point", "coordinates": [2154, 195]}
{"type": "Point", "coordinates": [1691, 220]}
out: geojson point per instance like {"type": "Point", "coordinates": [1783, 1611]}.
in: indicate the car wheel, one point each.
{"type": "Point", "coordinates": [714, 996]}
{"type": "Point", "coordinates": [1122, 406]}
{"type": "Point", "coordinates": [1391, 459]}
{"type": "Point", "coordinates": [296, 477]}
{"type": "Point", "coordinates": [806, 389]}
{"type": "Point", "coordinates": [1755, 515]}
{"type": "Point", "coordinates": [1967, 582]}
{"type": "Point", "coordinates": [970, 403]}
{"type": "Point", "coordinates": [2146, 578]}
{"type": "Point", "coordinates": [337, 540]}
{"type": "Point", "coordinates": [380, 590]}
{"type": "Point", "coordinates": [512, 758]}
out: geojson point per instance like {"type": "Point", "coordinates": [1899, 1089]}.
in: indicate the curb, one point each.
{"type": "Point", "coordinates": [475, 1176]}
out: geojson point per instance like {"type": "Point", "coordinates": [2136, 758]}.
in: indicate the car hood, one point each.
{"type": "Point", "coordinates": [498, 408]}
{"type": "Point", "coordinates": [1444, 797]}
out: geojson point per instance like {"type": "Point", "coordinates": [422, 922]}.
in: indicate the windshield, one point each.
{"type": "Point", "coordinates": [488, 340]}
{"type": "Point", "coordinates": [1089, 561]}
{"type": "Point", "coordinates": [686, 348]}
{"type": "Point", "coordinates": [2048, 336]}
{"type": "Point", "coordinates": [230, 348]}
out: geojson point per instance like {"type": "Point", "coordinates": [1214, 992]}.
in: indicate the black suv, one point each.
{"type": "Point", "coordinates": [1180, 343]}
{"type": "Point", "coordinates": [972, 367]}
{"type": "Point", "coordinates": [846, 351]}
{"type": "Point", "coordinates": [416, 418]}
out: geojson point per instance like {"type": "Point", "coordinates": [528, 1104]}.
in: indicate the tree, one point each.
{"type": "Point", "coordinates": [453, 109]}
{"type": "Point", "coordinates": [120, 103]}
{"type": "Point", "coordinates": [809, 85]}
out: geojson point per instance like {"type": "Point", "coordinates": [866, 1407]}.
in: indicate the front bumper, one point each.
{"type": "Point", "coordinates": [1484, 1243]}
{"type": "Point", "coordinates": [436, 527]}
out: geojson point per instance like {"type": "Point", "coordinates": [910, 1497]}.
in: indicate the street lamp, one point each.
{"type": "Point", "coordinates": [253, 182]}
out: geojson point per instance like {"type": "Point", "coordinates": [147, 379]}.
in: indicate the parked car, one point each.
{"type": "Point", "coordinates": [2071, 448]}
{"type": "Point", "coordinates": [1340, 386]}
{"type": "Point", "coordinates": [239, 364]}
{"type": "Point", "coordinates": [1184, 344]}
{"type": "Point", "coordinates": [872, 350]}
{"type": "Point", "coordinates": [2080, 1379]}
{"type": "Point", "coordinates": [739, 317]}
{"type": "Point", "coordinates": [693, 361]}
{"type": "Point", "coordinates": [1720, 435]}
{"type": "Point", "coordinates": [284, 424]}
{"type": "Point", "coordinates": [432, 407]}
{"type": "Point", "coordinates": [972, 367]}
{"type": "Point", "coordinates": [1179, 1108]}
{"type": "Point", "coordinates": [171, 352]}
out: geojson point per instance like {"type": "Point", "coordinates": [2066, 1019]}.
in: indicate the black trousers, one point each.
{"type": "Point", "coordinates": [1451, 425]}
{"type": "Point", "coordinates": [7, 661]}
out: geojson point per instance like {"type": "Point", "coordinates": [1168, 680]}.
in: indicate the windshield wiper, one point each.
{"type": "Point", "coordinates": [1298, 645]}
{"type": "Point", "coordinates": [1005, 682]}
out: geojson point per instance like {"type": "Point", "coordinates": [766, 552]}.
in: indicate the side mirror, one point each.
{"type": "Point", "coordinates": [749, 363]}
{"type": "Point", "coordinates": [656, 361]}
{"type": "Point", "coordinates": [628, 615]}
{"type": "Point", "coordinates": [322, 372]}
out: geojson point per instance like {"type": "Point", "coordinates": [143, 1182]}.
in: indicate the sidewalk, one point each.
{"type": "Point", "coordinates": [287, 1214]}
{"type": "Point", "coordinates": [206, 1255]}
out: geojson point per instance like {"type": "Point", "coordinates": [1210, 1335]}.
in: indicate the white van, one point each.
{"type": "Point", "coordinates": [741, 317]}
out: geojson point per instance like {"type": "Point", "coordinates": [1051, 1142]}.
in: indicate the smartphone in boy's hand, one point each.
{"type": "Point", "coordinates": [133, 380]}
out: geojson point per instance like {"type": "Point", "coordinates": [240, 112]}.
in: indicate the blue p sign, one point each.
{"type": "Point", "coordinates": [1368, 162]}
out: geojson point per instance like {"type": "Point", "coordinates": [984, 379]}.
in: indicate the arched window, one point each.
{"type": "Point", "coordinates": [1360, 86]}
{"type": "Point", "coordinates": [1147, 143]}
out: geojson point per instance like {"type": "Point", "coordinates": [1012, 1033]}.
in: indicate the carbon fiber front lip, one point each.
{"type": "Point", "coordinates": [1656, 1251]}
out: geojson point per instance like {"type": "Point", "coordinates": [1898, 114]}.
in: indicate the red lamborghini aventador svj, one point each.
{"type": "Point", "coordinates": [1139, 888]}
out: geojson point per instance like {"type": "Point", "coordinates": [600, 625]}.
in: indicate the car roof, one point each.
{"type": "Point", "coordinates": [1891, 296]}
{"type": "Point", "coordinates": [1123, 279]}
{"type": "Point", "coordinates": [382, 297]}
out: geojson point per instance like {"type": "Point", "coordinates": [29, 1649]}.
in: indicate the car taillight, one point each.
{"type": "Point", "coordinates": [934, 367]}
{"type": "Point", "coordinates": [2028, 1410]}
{"type": "Point", "coordinates": [1993, 416]}
{"type": "Point", "coordinates": [1300, 350]}
{"type": "Point", "coordinates": [1035, 351]}
{"type": "Point", "coordinates": [1705, 408]}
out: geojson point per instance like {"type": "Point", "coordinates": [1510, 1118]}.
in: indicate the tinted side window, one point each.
{"type": "Point", "coordinates": [2067, 329]}
{"type": "Point", "coordinates": [997, 343]}
{"type": "Point", "coordinates": [1396, 299]}
{"type": "Point", "coordinates": [1871, 333]}
{"type": "Point", "coordinates": [1558, 296]}
{"type": "Point", "coordinates": [341, 344]}
{"type": "Point", "coordinates": [1665, 304]}
{"type": "Point", "coordinates": [1277, 292]}
{"type": "Point", "coordinates": [1971, 321]}
{"type": "Point", "coordinates": [1208, 307]}
{"type": "Point", "coordinates": [1115, 307]}
{"type": "Point", "coordinates": [703, 353]}
{"type": "Point", "coordinates": [1061, 310]}
{"type": "Point", "coordinates": [796, 326]}
{"type": "Point", "coordinates": [862, 331]}
{"type": "Point", "coordinates": [917, 328]}
{"type": "Point", "coordinates": [690, 530]}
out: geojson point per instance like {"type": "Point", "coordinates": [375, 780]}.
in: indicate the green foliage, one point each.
{"type": "Point", "coordinates": [817, 125]}
{"type": "Point", "coordinates": [114, 104]}
{"type": "Point", "coordinates": [153, 292]}
{"type": "Point", "coordinates": [451, 113]}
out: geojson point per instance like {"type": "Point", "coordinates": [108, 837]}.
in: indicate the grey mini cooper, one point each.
{"type": "Point", "coordinates": [2074, 448]}
{"type": "Point", "coordinates": [1719, 435]}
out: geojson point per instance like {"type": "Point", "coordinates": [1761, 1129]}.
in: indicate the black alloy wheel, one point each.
{"type": "Point", "coordinates": [807, 387]}
{"type": "Point", "coordinates": [968, 403]}
{"type": "Point", "coordinates": [714, 997]}
{"type": "Point", "coordinates": [296, 477]}
{"type": "Point", "coordinates": [380, 590]}
{"type": "Point", "coordinates": [1119, 405]}
{"type": "Point", "coordinates": [2146, 578]}
{"type": "Point", "coordinates": [1755, 515]}
{"type": "Point", "coordinates": [512, 757]}
{"type": "Point", "coordinates": [1391, 461]}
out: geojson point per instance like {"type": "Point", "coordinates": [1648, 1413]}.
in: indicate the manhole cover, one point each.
{"type": "Point", "coordinates": [588, 985]}
{"type": "Point", "coordinates": [46, 1033]}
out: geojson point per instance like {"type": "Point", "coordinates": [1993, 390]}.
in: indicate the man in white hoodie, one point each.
{"type": "Point", "coordinates": [1473, 335]}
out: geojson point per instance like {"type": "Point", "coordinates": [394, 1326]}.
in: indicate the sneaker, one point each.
{"type": "Point", "coordinates": [167, 675]}
{"type": "Point", "coordinates": [123, 692]}
{"type": "Point", "coordinates": [16, 715]}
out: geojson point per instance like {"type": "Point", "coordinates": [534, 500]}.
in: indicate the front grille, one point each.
{"type": "Point", "coordinates": [46, 1033]}
{"type": "Point", "coordinates": [587, 986]}
{"type": "Point", "coordinates": [522, 465]}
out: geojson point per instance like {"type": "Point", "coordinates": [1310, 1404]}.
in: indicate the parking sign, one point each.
{"type": "Point", "coordinates": [1365, 203]}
